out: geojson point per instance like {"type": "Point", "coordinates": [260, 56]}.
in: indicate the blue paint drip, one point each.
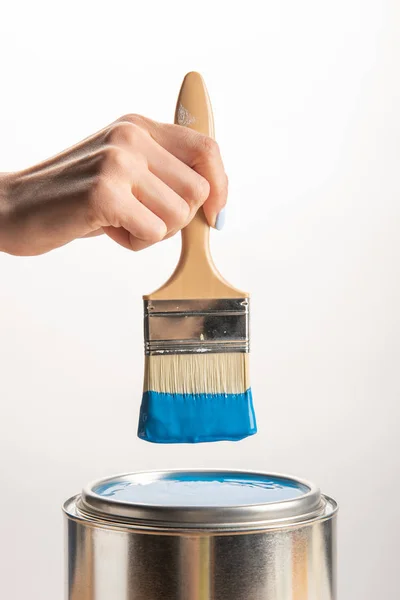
{"type": "Point", "coordinates": [193, 418]}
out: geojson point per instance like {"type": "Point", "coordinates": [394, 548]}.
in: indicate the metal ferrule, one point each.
{"type": "Point", "coordinates": [196, 326]}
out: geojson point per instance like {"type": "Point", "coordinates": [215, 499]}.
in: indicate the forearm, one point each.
{"type": "Point", "coordinates": [5, 210]}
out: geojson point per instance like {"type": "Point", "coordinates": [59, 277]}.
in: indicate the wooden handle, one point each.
{"type": "Point", "coordinates": [193, 110]}
{"type": "Point", "coordinates": [196, 275]}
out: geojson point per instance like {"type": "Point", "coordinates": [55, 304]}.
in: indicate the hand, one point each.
{"type": "Point", "coordinates": [138, 181]}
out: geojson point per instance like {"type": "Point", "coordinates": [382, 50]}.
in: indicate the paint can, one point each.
{"type": "Point", "coordinates": [201, 535]}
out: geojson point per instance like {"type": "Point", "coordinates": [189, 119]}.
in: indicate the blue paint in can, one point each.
{"type": "Point", "coordinates": [202, 489]}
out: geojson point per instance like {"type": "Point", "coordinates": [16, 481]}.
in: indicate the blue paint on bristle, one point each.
{"type": "Point", "coordinates": [193, 418]}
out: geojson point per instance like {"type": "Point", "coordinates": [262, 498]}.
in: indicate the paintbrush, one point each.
{"type": "Point", "coordinates": [196, 382]}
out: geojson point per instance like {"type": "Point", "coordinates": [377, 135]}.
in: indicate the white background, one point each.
{"type": "Point", "coordinates": [307, 107]}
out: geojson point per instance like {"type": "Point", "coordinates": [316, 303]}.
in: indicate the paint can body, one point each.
{"type": "Point", "coordinates": [165, 536]}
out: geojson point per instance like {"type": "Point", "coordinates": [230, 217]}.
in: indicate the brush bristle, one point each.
{"type": "Point", "coordinates": [225, 373]}
{"type": "Point", "coordinates": [190, 398]}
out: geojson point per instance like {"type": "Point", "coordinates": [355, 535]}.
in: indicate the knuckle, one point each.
{"type": "Point", "coordinates": [197, 190]}
{"type": "Point", "coordinates": [122, 132]}
{"type": "Point", "coordinates": [133, 119]}
{"type": "Point", "coordinates": [130, 117]}
{"type": "Point", "coordinates": [180, 215]}
{"type": "Point", "coordinates": [115, 159]}
{"type": "Point", "coordinates": [201, 190]}
{"type": "Point", "coordinates": [154, 233]}
{"type": "Point", "coordinates": [150, 228]}
{"type": "Point", "coordinates": [209, 148]}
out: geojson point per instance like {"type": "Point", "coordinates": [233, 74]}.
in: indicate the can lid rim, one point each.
{"type": "Point", "coordinates": [309, 505]}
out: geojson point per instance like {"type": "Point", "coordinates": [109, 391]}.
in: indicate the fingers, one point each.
{"type": "Point", "coordinates": [197, 151]}
{"type": "Point", "coordinates": [181, 178]}
{"type": "Point", "coordinates": [202, 154]}
{"type": "Point", "coordinates": [154, 179]}
{"type": "Point", "coordinates": [187, 184]}
{"type": "Point", "coordinates": [163, 202]}
{"type": "Point", "coordinates": [126, 239]}
{"type": "Point", "coordinates": [141, 223]}
{"type": "Point", "coordinates": [123, 217]}
{"type": "Point", "coordinates": [152, 214]}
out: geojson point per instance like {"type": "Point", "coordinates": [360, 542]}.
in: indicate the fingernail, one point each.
{"type": "Point", "coordinates": [220, 220]}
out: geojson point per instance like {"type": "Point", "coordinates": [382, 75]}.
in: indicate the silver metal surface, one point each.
{"type": "Point", "coordinates": [196, 326]}
{"type": "Point", "coordinates": [114, 558]}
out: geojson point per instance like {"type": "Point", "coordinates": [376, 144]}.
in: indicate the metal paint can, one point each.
{"type": "Point", "coordinates": [201, 535]}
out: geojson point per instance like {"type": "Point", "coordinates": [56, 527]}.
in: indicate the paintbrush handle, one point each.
{"type": "Point", "coordinates": [193, 110]}
{"type": "Point", "coordinates": [195, 276]}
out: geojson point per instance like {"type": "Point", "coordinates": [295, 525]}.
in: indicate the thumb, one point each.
{"type": "Point", "coordinates": [215, 209]}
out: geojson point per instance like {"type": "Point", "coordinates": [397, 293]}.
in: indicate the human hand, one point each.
{"type": "Point", "coordinates": [136, 180]}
